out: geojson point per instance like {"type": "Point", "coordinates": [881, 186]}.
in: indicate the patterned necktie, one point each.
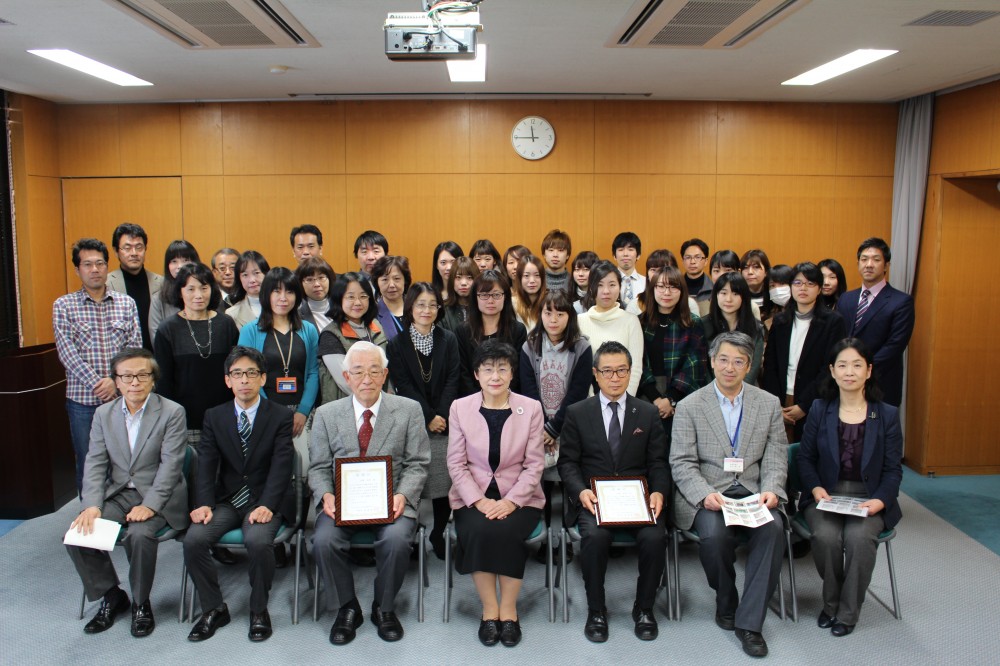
{"type": "Point", "coordinates": [628, 295]}
{"type": "Point", "coordinates": [862, 308]}
{"type": "Point", "coordinates": [614, 431]}
{"type": "Point", "coordinates": [242, 496]}
{"type": "Point", "coordinates": [365, 432]}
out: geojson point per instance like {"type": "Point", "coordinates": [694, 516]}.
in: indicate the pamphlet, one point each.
{"type": "Point", "coordinates": [746, 512]}
{"type": "Point", "coordinates": [849, 506]}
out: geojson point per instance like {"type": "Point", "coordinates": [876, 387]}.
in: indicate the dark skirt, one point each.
{"type": "Point", "coordinates": [494, 546]}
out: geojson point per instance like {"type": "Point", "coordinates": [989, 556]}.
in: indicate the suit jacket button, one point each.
{"type": "Point", "coordinates": [866, 477]}
{"type": "Point", "coordinates": [244, 478]}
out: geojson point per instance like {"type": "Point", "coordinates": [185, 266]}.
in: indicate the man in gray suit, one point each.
{"type": "Point", "coordinates": [369, 423]}
{"type": "Point", "coordinates": [729, 442]}
{"type": "Point", "coordinates": [132, 475]}
{"type": "Point", "coordinates": [129, 241]}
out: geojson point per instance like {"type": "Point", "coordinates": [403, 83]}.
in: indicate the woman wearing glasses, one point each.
{"type": "Point", "coordinates": [607, 319]}
{"type": "Point", "coordinates": [424, 365]}
{"type": "Point", "coordinates": [492, 318]}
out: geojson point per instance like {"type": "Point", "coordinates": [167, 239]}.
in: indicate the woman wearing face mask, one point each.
{"type": "Point", "coordinates": [834, 282]}
{"type": "Point", "coordinates": [162, 307]}
{"type": "Point", "coordinates": [445, 255]}
{"type": "Point", "coordinates": [460, 297]}
{"type": "Point", "coordinates": [315, 276]}
{"type": "Point", "coordinates": [779, 286]}
{"type": "Point", "coordinates": [250, 271]}
{"type": "Point", "coordinates": [797, 348]}
{"type": "Point", "coordinates": [391, 280]}
{"type": "Point", "coordinates": [529, 290]}
{"type": "Point", "coordinates": [582, 264]}
{"type": "Point", "coordinates": [608, 320]}
{"type": "Point", "coordinates": [731, 310]}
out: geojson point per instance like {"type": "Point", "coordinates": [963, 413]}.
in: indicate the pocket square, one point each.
{"type": "Point", "coordinates": [637, 431]}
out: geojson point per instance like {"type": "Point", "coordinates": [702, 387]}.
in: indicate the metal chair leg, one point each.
{"type": "Point", "coordinates": [184, 587]}
{"type": "Point", "coordinates": [896, 611]}
{"type": "Point", "coordinates": [446, 610]}
{"type": "Point", "coordinates": [564, 537]}
{"type": "Point", "coordinates": [316, 593]}
{"type": "Point", "coordinates": [421, 554]}
{"type": "Point", "coordinates": [677, 575]}
{"type": "Point", "coordinates": [298, 563]}
{"type": "Point", "coordinates": [83, 601]}
{"type": "Point", "coordinates": [791, 578]}
{"type": "Point", "coordinates": [548, 575]}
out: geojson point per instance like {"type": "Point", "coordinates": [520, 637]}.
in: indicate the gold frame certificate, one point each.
{"type": "Point", "coordinates": [363, 490]}
{"type": "Point", "coordinates": [622, 500]}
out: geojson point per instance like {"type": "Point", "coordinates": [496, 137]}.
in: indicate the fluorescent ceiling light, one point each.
{"type": "Point", "coordinates": [88, 66]}
{"type": "Point", "coordinates": [469, 71]}
{"type": "Point", "coordinates": [841, 65]}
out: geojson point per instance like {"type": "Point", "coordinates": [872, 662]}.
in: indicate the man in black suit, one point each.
{"type": "Point", "coordinates": [614, 434]}
{"type": "Point", "coordinates": [244, 468]}
{"type": "Point", "coordinates": [880, 316]}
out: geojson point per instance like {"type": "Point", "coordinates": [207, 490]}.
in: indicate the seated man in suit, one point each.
{"type": "Point", "coordinates": [369, 422]}
{"type": "Point", "coordinates": [132, 475]}
{"type": "Point", "coordinates": [614, 434]}
{"type": "Point", "coordinates": [728, 440]}
{"type": "Point", "coordinates": [243, 481]}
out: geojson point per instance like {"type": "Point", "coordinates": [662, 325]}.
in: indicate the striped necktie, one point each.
{"type": "Point", "coordinates": [862, 308]}
{"type": "Point", "coordinates": [614, 431]}
{"type": "Point", "coordinates": [242, 496]}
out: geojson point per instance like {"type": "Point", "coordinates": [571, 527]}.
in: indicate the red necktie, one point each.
{"type": "Point", "coordinates": [365, 432]}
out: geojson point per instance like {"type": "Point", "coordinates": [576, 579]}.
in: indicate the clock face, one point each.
{"type": "Point", "coordinates": [533, 137]}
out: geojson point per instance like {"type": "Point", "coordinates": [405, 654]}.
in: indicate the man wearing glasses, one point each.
{"type": "Point", "coordinates": [91, 326]}
{"type": "Point", "coordinates": [729, 442]}
{"type": "Point", "coordinates": [615, 434]}
{"type": "Point", "coordinates": [132, 476]}
{"type": "Point", "coordinates": [694, 254]}
{"type": "Point", "coordinates": [224, 272]}
{"type": "Point", "coordinates": [129, 242]}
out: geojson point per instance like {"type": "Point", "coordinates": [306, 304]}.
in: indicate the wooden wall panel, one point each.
{"type": "Point", "coordinates": [866, 139]}
{"type": "Point", "coordinates": [283, 138]}
{"type": "Point", "coordinates": [491, 124]}
{"type": "Point", "coordinates": [93, 207]}
{"type": "Point", "coordinates": [416, 137]}
{"type": "Point", "coordinates": [966, 130]}
{"type": "Point", "coordinates": [150, 139]}
{"type": "Point", "coordinates": [862, 209]}
{"type": "Point", "coordinates": [41, 150]}
{"type": "Point", "coordinates": [88, 140]}
{"type": "Point", "coordinates": [774, 138]}
{"type": "Point", "coordinates": [204, 214]}
{"type": "Point", "coordinates": [656, 137]}
{"type": "Point", "coordinates": [201, 139]}
{"type": "Point", "coordinates": [42, 280]}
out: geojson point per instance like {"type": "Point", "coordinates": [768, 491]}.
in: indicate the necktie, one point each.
{"type": "Point", "coordinates": [242, 496]}
{"type": "Point", "coordinates": [862, 308]}
{"type": "Point", "coordinates": [614, 431]}
{"type": "Point", "coordinates": [365, 432]}
{"type": "Point", "coordinates": [628, 295]}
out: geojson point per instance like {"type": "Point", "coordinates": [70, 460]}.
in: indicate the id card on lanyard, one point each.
{"type": "Point", "coordinates": [735, 463]}
{"type": "Point", "coordinates": [286, 384]}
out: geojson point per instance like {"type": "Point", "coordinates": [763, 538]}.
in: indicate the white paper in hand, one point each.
{"type": "Point", "coordinates": [104, 536]}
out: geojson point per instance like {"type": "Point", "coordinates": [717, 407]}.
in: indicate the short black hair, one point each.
{"type": "Point", "coordinates": [277, 278]}
{"type": "Point", "coordinates": [306, 229]}
{"type": "Point", "coordinates": [337, 291]}
{"type": "Point", "coordinates": [485, 246]}
{"type": "Point", "coordinates": [369, 237]}
{"type": "Point", "coordinates": [385, 264]}
{"type": "Point", "coordinates": [415, 292]}
{"type": "Point", "coordinates": [249, 257]}
{"type": "Point", "coordinates": [624, 239]}
{"type": "Point", "coordinates": [660, 259]}
{"type": "Point", "coordinates": [313, 266]}
{"type": "Point", "coordinates": [724, 259]}
{"type": "Point", "coordinates": [598, 272]}
{"type": "Point", "coordinates": [88, 244]}
{"type": "Point", "coordinates": [495, 350]}
{"type": "Point", "coordinates": [240, 351]}
{"type": "Point", "coordinates": [702, 245]}
{"type": "Point", "coordinates": [878, 244]}
{"type": "Point", "coordinates": [128, 229]}
{"type": "Point", "coordinates": [828, 388]}
{"type": "Point", "coordinates": [202, 274]}
{"type": "Point", "coordinates": [611, 347]}
{"type": "Point", "coordinates": [782, 274]}
{"type": "Point", "coordinates": [809, 271]}
{"type": "Point", "coordinates": [130, 353]}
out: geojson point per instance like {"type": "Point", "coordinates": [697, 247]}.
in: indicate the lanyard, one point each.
{"type": "Point", "coordinates": [291, 343]}
{"type": "Point", "coordinates": [734, 441]}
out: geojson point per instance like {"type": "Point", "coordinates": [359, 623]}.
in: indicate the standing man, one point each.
{"type": "Point", "coordinates": [91, 326]}
{"type": "Point", "coordinates": [307, 241]}
{"type": "Point", "coordinates": [694, 253]}
{"type": "Point", "coordinates": [614, 434]}
{"type": "Point", "coordinates": [369, 247]}
{"type": "Point", "coordinates": [138, 443]}
{"type": "Point", "coordinates": [374, 423]}
{"type": "Point", "coordinates": [243, 481]}
{"type": "Point", "coordinates": [881, 316]}
{"type": "Point", "coordinates": [729, 441]}
{"type": "Point", "coordinates": [129, 241]}
{"type": "Point", "coordinates": [224, 272]}
{"type": "Point", "coordinates": [627, 248]}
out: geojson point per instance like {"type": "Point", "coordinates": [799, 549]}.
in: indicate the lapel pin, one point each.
{"type": "Point", "coordinates": [873, 415]}
{"type": "Point", "coordinates": [637, 431]}
{"type": "Point", "coordinates": [633, 410]}
{"type": "Point", "coordinates": [520, 410]}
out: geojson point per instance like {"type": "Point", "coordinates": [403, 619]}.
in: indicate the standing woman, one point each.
{"type": "Point", "coordinates": [460, 281]}
{"type": "Point", "coordinates": [673, 365]}
{"type": "Point", "coordinates": [608, 320]}
{"type": "Point", "coordinates": [162, 306]}
{"type": "Point", "coordinates": [485, 254]}
{"type": "Point", "coordinates": [755, 267]}
{"type": "Point", "coordinates": [445, 255]}
{"type": "Point", "coordinates": [732, 310]}
{"type": "Point", "coordinates": [315, 276]}
{"type": "Point", "coordinates": [492, 318]}
{"type": "Point", "coordinates": [529, 290]}
{"type": "Point", "coordinates": [352, 318]}
{"type": "Point", "coordinates": [852, 445]}
{"type": "Point", "coordinates": [391, 280]}
{"type": "Point", "coordinates": [495, 458]}
{"type": "Point", "coordinates": [582, 264]}
{"type": "Point", "coordinates": [511, 258]}
{"type": "Point", "coordinates": [800, 340]}
{"type": "Point", "coordinates": [250, 271]}
{"type": "Point", "coordinates": [723, 261]}
{"type": "Point", "coordinates": [834, 282]}
{"type": "Point", "coordinates": [424, 366]}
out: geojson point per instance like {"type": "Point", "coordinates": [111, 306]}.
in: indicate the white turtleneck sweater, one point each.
{"type": "Point", "coordinates": [618, 325]}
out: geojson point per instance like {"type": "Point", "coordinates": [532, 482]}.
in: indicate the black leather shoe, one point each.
{"type": "Point", "coordinates": [346, 625]}
{"type": "Point", "coordinates": [840, 629]}
{"type": "Point", "coordinates": [208, 622]}
{"type": "Point", "coordinates": [646, 628]}
{"type": "Point", "coordinates": [260, 626]}
{"type": "Point", "coordinates": [753, 642]}
{"type": "Point", "coordinates": [489, 632]}
{"type": "Point", "coordinates": [825, 621]}
{"type": "Point", "coordinates": [510, 632]}
{"type": "Point", "coordinates": [437, 545]}
{"type": "Point", "coordinates": [142, 619]}
{"type": "Point", "coordinates": [389, 628]}
{"type": "Point", "coordinates": [223, 555]}
{"type": "Point", "coordinates": [596, 629]}
{"type": "Point", "coordinates": [107, 612]}
{"type": "Point", "coordinates": [726, 621]}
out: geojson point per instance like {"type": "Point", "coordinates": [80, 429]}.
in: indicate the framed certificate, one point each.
{"type": "Point", "coordinates": [622, 500]}
{"type": "Point", "coordinates": [363, 490]}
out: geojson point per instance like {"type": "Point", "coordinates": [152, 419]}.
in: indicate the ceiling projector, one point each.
{"type": "Point", "coordinates": [446, 32]}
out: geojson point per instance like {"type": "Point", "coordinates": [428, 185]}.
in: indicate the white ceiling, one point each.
{"type": "Point", "coordinates": [536, 47]}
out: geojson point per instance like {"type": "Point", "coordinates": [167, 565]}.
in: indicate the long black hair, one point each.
{"type": "Point", "coordinates": [451, 248]}
{"type": "Point", "coordinates": [413, 293]}
{"type": "Point", "coordinates": [834, 267]}
{"type": "Point", "coordinates": [555, 300]}
{"type": "Point", "coordinates": [745, 321]}
{"type": "Point", "coordinates": [277, 278]}
{"type": "Point", "coordinates": [337, 291]}
{"type": "Point", "coordinates": [760, 257]}
{"type": "Point", "coordinates": [202, 274]}
{"type": "Point", "coordinates": [249, 257]}
{"type": "Point", "coordinates": [484, 284]}
{"type": "Point", "coordinates": [650, 309]}
{"type": "Point", "coordinates": [598, 272]}
{"type": "Point", "coordinates": [177, 249]}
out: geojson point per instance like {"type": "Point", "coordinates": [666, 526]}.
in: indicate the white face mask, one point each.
{"type": "Point", "coordinates": [780, 295]}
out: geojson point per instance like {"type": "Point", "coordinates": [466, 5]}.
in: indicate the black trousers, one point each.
{"type": "Point", "coordinates": [595, 550]}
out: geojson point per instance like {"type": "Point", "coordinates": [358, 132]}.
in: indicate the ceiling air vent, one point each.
{"type": "Point", "coordinates": [698, 24]}
{"type": "Point", "coordinates": [957, 18]}
{"type": "Point", "coordinates": [220, 24]}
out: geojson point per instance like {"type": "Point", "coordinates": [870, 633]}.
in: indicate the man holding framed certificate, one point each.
{"type": "Point", "coordinates": [369, 455]}
{"type": "Point", "coordinates": [613, 462]}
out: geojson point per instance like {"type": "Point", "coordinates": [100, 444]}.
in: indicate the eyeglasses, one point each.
{"type": "Point", "coordinates": [621, 373]}
{"type": "Point", "coordinates": [667, 288]}
{"type": "Point", "coordinates": [373, 373]}
{"type": "Point", "coordinates": [492, 296]}
{"type": "Point", "coordinates": [87, 265]}
{"type": "Point", "coordinates": [316, 279]}
{"type": "Point", "coordinates": [738, 363]}
{"type": "Point", "coordinates": [139, 247]}
{"type": "Point", "coordinates": [363, 298]}
{"type": "Point", "coordinates": [226, 268]}
{"type": "Point", "coordinates": [430, 307]}
{"type": "Point", "coordinates": [143, 377]}
{"type": "Point", "coordinates": [694, 257]}
{"type": "Point", "coordinates": [240, 374]}
{"type": "Point", "coordinates": [804, 283]}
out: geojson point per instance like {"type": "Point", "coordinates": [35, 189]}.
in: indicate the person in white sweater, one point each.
{"type": "Point", "coordinates": [607, 320]}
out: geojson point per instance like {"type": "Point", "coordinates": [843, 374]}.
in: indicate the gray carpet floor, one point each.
{"type": "Point", "coordinates": [948, 591]}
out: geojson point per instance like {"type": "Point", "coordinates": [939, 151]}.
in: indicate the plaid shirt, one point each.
{"type": "Point", "coordinates": [683, 359]}
{"type": "Point", "coordinates": [89, 334]}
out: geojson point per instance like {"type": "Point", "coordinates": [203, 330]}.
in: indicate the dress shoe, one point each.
{"type": "Point", "coordinates": [489, 632]}
{"type": "Point", "coordinates": [142, 619]}
{"type": "Point", "coordinates": [223, 555]}
{"type": "Point", "coordinates": [840, 629]}
{"type": "Point", "coordinates": [825, 621]}
{"type": "Point", "coordinates": [208, 622]}
{"type": "Point", "coordinates": [112, 604]}
{"type": "Point", "coordinates": [260, 626]}
{"type": "Point", "coordinates": [801, 548]}
{"type": "Point", "coordinates": [646, 628]}
{"type": "Point", "coordinates": [510, 632]}
{"type": "Point", "coordinates": [753, 642]}
{"type": "Point", "coordinates": [389, 628]}
{"type": "Point", "coordinates": [346, 625]}
{"type": "Point", "coordinates": [596, 629]}
{"type": "Point", "coordinates": [437, 545]}
{"type": "Point", "coordinates": [726, 621]}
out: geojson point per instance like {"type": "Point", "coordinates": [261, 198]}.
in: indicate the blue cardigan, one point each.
{"type": "Point", "coordinates": [252, 336]}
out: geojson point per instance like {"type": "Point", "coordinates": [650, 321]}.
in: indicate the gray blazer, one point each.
{"type": "Point", "coordinates": [399, 432]}
{"type": "Point", "coordinates": [116, 282]}
{"type": "Point", "coordinates": [155, 467]}
{"type": "Point", "coordinates": [700, 444]}
{"type": "Point", "coordinates": [241, 313]}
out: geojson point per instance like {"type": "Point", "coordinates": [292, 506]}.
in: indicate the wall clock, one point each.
{"type": "Point", "coordinates": [533, 137]}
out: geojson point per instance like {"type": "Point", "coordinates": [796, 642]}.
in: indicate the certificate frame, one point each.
{"type": "Point", "coordinates": [644, 515]}
{"type": "Point", "coordinates": [342, 474]}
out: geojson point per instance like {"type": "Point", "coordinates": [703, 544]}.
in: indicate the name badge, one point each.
{"type": "Point", "coordinates": [733, 465]}
{"type": "Point", "coordinates": [290, 385]}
